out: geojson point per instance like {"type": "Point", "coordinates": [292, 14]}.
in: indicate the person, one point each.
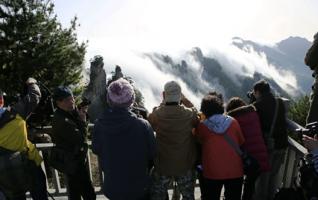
{"type": "Point", "coordinates": [199, 147]}
{"type": "Point", "coordinates": [271, 112]}
{"type": "Point", "coordinates": [311, 60]}
{"type": "Point", "coordinates": [309, 181]}
{"type": "Point", "coordinates": [311, 143]}
{"type": "Point", "coordinates": [69, 131]}
{"type": "Point", "coordinates": [13, 138]}
{"type": "Point", "coordinates": [222, 165]}
{"type": "Point", "coordinates": [173, 123]}
{"type": "Point", "coordinates": [2, 94]}
{"type": "Point", "coordinates": [124, 144]}
{"type": "Point", "coordinates": [254, 145]}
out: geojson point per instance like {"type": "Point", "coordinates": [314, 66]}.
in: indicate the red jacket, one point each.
{"type": "Point", "coordinates": [254, 144]}
{"type": "Point", "coordinates": [219, 160]}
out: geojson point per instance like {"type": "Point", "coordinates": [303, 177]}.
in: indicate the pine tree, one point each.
{"type": "Point", "coordinates": [33, 43]}
{"type": "Point", "coordinates": [298, 110]}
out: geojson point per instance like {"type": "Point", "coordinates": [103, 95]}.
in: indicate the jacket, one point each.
{"type": "Point", "coordinates": [254, 143]}
{"type": "Point", "coordinates": [265, 107]}
{"type": "Point", "coordinates": [69, 132]}
{"type": "Point", "coordinates": [125, 146]}
{"type": "Point", "coordinates": [173, 125]}
{"type": "Point", "coordinates": [311, 58]}
{"type": "Point", "coordinates": [14, 135]}
{"type": "Point", "coordinates": [219, 159]}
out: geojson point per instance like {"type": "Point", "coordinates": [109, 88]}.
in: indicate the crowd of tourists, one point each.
{"type": "Point", "coordinates": [141, 158]}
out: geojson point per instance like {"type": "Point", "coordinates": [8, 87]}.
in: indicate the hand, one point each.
{"type": "Point", "coordinates": [310, 143]}
{"type": "Point", "coordinates": [186, 102]}
{"type": "Point", "coordinates": [30, 81]}
{"type": "Point", "coordinates": [82, 114]}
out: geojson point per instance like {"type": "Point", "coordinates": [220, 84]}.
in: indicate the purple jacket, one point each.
{"type": "Point", "coordinates": [254, 142]}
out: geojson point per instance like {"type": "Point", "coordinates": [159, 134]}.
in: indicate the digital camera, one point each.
{"type": "Point", "coordinates": [310, 130]}
{"type": "Point", "coordinates": [251, 96]}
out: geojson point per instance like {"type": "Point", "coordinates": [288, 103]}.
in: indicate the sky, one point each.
{"type": "Point", "coordinates": [189, 21]}
{"type": "Point", "coordinates": [121, 30]}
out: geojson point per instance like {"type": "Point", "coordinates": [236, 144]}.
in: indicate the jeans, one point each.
{"type": "Point", "coordinates": [161, 183]}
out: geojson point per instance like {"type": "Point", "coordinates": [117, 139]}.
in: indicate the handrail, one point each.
{"type": "Point", "coordinates": [286, 175]}
{"type": "Point", "coordinates": [56, 180]}
{"type": "Point", "coordinates": [295, 151]}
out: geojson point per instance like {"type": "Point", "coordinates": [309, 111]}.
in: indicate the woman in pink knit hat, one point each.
{"type": "Point", "coordinates": [125, 145]}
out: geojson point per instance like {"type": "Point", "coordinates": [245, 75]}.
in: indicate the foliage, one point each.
{"type": "Point", "coordinates": [33, 43]}
{"type": "Point", "coordinates": [299, 109]}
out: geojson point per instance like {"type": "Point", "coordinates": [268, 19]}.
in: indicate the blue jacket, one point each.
{"type": "Point", "coordinates": [125, 145]}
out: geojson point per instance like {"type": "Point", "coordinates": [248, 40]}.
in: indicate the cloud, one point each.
{"type": "Point", "coordinates": [245, 63]}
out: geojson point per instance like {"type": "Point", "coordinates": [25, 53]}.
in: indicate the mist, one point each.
{"type": "Point", "coordinates": [144, 66]}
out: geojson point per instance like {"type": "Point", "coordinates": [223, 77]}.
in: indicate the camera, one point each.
{"type": "Point", "coordinates": [84, 102]}
{"type": "Point", "coordinates": [251, 96]}
{"type": "Point", "coordinates": [310, 130]}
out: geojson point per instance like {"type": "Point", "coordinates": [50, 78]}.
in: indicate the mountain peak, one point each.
{"type": "Point", "coordinates": [294, 46]}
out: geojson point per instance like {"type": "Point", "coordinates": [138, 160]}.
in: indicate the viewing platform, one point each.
{"type": "Point", "coordinates": [57, 188]}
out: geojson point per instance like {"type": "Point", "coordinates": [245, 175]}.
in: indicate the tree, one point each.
{"type": "Point", "coordinates": [33, 43]}
{"type": "Point", "coordinates": [299, 109]}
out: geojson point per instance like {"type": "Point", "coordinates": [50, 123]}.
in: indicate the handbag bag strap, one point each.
{"type": "Point", "coordinates": [233, 144]}
{"type": "Point", "coordinates": [274, 118]}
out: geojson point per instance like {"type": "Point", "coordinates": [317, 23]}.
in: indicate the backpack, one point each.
{"type": "Point", "coordinates": [15, 172]}
{"type": "Point", "coordinates": [15, 167]}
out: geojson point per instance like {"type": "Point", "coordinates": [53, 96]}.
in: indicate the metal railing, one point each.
{"type": "Point", "coordinates": [295, 151]}
{"type": "Point", "coordinates": [55, 181]}
{"type": "Point", "coordinates": [57, 187]}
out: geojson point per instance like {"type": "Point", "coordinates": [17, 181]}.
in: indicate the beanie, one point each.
{"type": "Point", "coordinates": [120, 93]}
{"type": "Point", "coordinates": [61, 93]}
{"type": "Point", "coordinates": [172, 92]}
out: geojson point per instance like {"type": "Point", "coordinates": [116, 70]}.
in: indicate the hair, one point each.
{"type": "Point", "coordinates": [211, 105]}
{"type": "Point", "coordinates": [214, 93]}
{"type": "Point", "coordinates": [235, 102]}
{"type": "Point", "coordinates": [262, 86]}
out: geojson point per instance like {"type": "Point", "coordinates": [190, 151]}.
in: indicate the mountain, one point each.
{"type": "Point", "coordinates": [286, 55]}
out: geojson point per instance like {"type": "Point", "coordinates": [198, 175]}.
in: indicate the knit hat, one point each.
{"type": "Point", "coordinates": [172, 92]}
{"type": "Point", "coordinates": [61, 93]}
{"type": "Point", "coordinates": [120, 93]}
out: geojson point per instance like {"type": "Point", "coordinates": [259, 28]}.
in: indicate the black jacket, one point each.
{"type": "Point", "coordinates": [265, 107]}
{"type": "Point", "coordinates": [69, 131]}
{"type": "Point", "coordinates": [124, 144]}
{"type": "Point", "coordinates": [311, 58]}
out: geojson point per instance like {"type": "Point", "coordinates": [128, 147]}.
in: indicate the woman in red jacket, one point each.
{"type": "Point", "coordinates": [222, 166]}
{"type": "Point", "coordinates": [248, 119]}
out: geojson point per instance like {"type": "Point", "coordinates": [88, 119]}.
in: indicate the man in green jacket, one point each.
{"type": "Point", "coordinates": [173, 123]}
